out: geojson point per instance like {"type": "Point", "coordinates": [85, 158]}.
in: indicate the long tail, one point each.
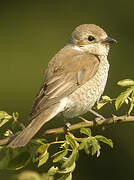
{"type": "Point", "coordinates": [26, 135]}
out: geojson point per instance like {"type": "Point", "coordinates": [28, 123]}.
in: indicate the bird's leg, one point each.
{"type": "Point", "coordinates": [98, 116]}
{"type": "Point", "coordinates": [66, 126]}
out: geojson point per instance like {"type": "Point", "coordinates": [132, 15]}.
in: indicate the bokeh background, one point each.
{"type": "Point", "coordinates": [31, 32]}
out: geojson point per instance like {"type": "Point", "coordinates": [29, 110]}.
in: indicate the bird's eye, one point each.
{"type": "Point", "coordinates": [91, 38]}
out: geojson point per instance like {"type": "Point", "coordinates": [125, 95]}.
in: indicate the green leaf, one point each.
{"type": "Point", "coordinates": [58, 156]}
{"type": "Point", "coordinates": [43, 159]}
{"type": "Point", "coordinates": [71, 159]}
{"type": "Point", "coordinates": [104, 140]}
{"type": "Point", "coordinates": [86, 131]}
{"type": "Point", "coordinates": [8, 133]}
{"type": "Point", "coordinates": [42, 149]}
{"type": "Point", "coordinates": [122, 97]}
{"type": "Point", "coordinates": [100, 104]}
{"type": "Point", "coordinates": [82, 145]}
{"type": "Point", "coordinates": [4, 118]}
{"type": "Point", "coordinates": [131, 103]}
{"type": "Point", "coordinates": [52, 171]}
{"type": "Point", "coordinates": [98, 151]}
{"type": "Point", "coordinates": [66, 177]}
{"type": "Point", "coordinates": [19, 159]}
{"type": "Point", "coordinates": [90, 145]}
{"type": "Point", "coordinates": [15, 116]}
{"type": "Point", "coordinates": [87, 148]}
{"type": "Point", "coordinates": [106, 98]}
{"type": "Point", "coordinates": [95, 147]}
{"type": "Point", "coordinates": [62, 160]}
{"type": "Point", "coordinates": [71, 141]}
{"type": "Point", "coordinates": [42, 154]}
{"type": "Point", "coordinates": [125, 82]}
{"type": "Point", "coordinates": [103, 101]}
{"type": "Point", "coordinates": [68, 170]}
{"type": "Point", "coordinates": [126, 101]}
{"type": "Point", "coordinates": [86, 145]}
{"type": "Point", "coordinates": [131, 108]}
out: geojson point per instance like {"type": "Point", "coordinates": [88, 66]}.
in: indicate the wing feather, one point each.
{"type": "Point", "coordinates": [63, 76]}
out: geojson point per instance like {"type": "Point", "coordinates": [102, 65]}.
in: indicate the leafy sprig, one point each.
{"type": "Point", "coordinates": [125, 97]}
{"type": "Point", "coordinates": [63, 160]}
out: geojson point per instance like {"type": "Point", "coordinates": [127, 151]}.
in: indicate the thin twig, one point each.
{"type": "Point", "coordinates": [85, 123]}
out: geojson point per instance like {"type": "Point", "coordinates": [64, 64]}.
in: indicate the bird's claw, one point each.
{"type": "Point", "coordinates": [66, 128]}
{"type": "Point", "coordinates": [99, 118]}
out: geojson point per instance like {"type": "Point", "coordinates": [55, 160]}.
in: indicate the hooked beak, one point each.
{"type": "Point", "coordinates": [109, 40]}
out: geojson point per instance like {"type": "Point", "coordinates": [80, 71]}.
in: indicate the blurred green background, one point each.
{"type": "Point", "coordinates": [31, 32]}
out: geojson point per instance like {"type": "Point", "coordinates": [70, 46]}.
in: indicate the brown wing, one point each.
{"type": "Point", "coordinates": [67, 71]}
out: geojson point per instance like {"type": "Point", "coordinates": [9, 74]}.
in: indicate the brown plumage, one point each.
{"type": "Point", "coordinates": [63, 76]}
{"type": "Point", "coordinates": [77, 72]}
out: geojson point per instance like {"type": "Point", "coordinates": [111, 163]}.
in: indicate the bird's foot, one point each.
{"type": "Point", "coordinates": [66, 127]}
{"type": "Point", "coordinates": [98, 118]}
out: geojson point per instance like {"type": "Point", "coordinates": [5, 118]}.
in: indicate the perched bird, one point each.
{"type": "Point", "coordinates": [74, 80]}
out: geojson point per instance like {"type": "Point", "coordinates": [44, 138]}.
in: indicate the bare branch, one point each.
{"type": "Point", "coordinates": [84, 123]}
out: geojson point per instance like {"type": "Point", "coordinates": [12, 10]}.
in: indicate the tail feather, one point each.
{"type": "Point", "coordinates": [26, 135]}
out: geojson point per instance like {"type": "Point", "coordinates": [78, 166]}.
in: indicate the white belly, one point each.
{"type": "Point", "coordinates": [84, 98]}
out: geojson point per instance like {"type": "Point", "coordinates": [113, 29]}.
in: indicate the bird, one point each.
{"type": "Point", "coordinates": [74, 80]}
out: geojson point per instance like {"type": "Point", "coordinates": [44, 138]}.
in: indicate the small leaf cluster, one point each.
{"type": "Point", "coordinates": [126, 96]}
{"type": "Point", "coordinates": [4, 118]}
{"type": "Point", "coordinates": [91, 144]}
{"type": "Point", "coordinates": [104, 100]}
{"type": "Point", "coordinates": [63, 160]}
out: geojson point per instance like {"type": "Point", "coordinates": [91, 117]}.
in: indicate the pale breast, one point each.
{"type": "Point", "coordinates": [85, 97]}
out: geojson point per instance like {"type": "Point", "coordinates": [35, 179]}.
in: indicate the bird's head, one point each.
{"type": "Point", "coordinates": [91, 38]}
